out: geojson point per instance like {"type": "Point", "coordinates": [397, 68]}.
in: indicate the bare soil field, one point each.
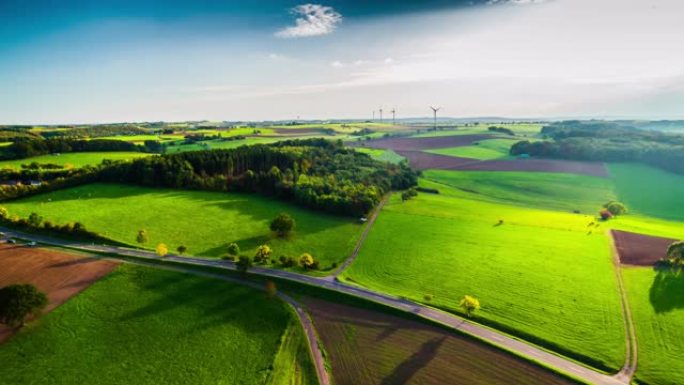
{"type": "Point", "coordinates": [638, 249]}
{"type": "Point", "coordinates": [58, 274]}
{"type": "Point", "coordinates": [367, 347]}
{"type": "Point", "coordinates": [422, 161]}
{"type": "Point", "coordinates": [405, 144]}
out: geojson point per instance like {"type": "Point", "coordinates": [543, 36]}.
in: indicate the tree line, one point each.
{"type": "Point", "coordinates": [608, 142]}
{"type": "Point", "coordinates": [23, 148]}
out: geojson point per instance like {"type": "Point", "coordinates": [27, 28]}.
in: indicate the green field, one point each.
{"type": "Point", "coordinates": [483, 150]}
{"type": "Point", "coordinates": [142, 138]}
{"type": "Point", "coordinates": [205, 222]}
{"type": "Point", "coordinates": [649, 191]}
{"type": "Point", "coordinates": [381, 155]}
{"type": "Point", "coordinates": [657, 303]}
{"type": "Point", "coordinates": [144, 326]}
{"type": "Point", "coordinates": [217, 144]}
{"type": "Point", "coordinates": [556, 191]}
{"type": "Point", "coordinates": [542, 275]}
{"type": "Point", "coordinates": [73, 159]}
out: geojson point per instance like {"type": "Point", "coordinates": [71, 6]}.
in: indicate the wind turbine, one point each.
{"type": "Point", "coordinates": [394, 116]}
{"type": "Point", "coordinates": [434, 113]}
{"type": "Point", "coordinates": [380, 114]}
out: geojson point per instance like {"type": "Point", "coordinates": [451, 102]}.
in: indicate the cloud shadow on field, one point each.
{"type": "Point", "coordinates": [667, 290]}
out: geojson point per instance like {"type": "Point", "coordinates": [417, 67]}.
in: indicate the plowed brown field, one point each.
{"type": "Point", "coordinates": [367, 347]}
{"type": "Point", "coordinates": [638, 249]}
{"type": "Point", "coordinates": [58, 274]}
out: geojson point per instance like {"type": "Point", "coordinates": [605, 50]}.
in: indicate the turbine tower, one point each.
{"type": "Point", "coordinates": [380, 114]}
{"type": "Point", "coordinates": [434, 114]}
{"type": "Point", "coordinates": [394, 116]}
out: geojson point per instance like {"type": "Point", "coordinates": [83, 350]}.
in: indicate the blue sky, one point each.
{"type": "Point", "coordinates": [74, 61]}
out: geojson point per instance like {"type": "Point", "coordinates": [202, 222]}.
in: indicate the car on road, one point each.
{"type": "Point", "coordinates": [31, 244]}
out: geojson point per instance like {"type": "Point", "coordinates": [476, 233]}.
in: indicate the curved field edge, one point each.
{"type": "Point", "coordinates": [169, 327]}
{"type": "Point", "coordinates": [657, 302]}
{"type": "Point", "coordinates": [204, 222]}
{"type": "Point", "coordinates": [534, 274]}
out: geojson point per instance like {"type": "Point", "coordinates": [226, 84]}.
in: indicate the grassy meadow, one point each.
{"type": "Point", "coordinates": [381, 155]}
{"type": "Point", "coordinates": [144, 326]}
{"type": "Point", "coordinates": [534, 274]}
{"type": "Point", "coordinates": [73, 159]}
{"type": "Point", "coordinates": [205, 222]}
{"type": "Point", "coordinates": [657, 303]}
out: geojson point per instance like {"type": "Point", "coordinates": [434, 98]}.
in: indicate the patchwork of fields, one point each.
{"type": "Point", "coordinates": [146, 326]}
{"type": "Point", "coordinates": [73, 159]}
{"type": "Point", "coordinates": [205, 222]}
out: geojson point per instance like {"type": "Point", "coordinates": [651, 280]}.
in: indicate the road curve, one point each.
{"type": "Point", "coordinates": [453, 321]}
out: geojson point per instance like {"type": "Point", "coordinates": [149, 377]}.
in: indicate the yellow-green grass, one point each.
{"type": "Point", "coordinates": [218, 144]}
{"type": "Point", "coordinates": [649, 191]}
{"type": "Point", "coordinates": [381, 154]}
{"type": "Point", "coordinates": [73, 159]}
{"type": "Point", "coordinates": [144, 326]}
{"type": "Point", "coordinates": [292, 364]}
{"type": "Point", "coordinates": [657, 303]}
{"type": "Point", "coordinates": [6, 144]}
{"type": "Point", "coordinates": [483, 150]}
{"type": "Point", "coordinates": [143, 138]}
{"type": "Point", "coordinates": [205, 222]}
{"type": "Point", "coordinates": [543, 275]}
{"type": "Point", "coordinates": [556, 191]}
{"type": "Point", "coordinates": [232, 132]}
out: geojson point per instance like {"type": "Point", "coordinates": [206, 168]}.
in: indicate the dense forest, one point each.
{"type": "Point", "coordinates": [315, 173]}
{"type": "Point", "coordinates": [607, 141]}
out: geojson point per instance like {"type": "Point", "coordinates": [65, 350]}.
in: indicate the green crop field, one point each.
{"type": "Point", "coordinates": [205, 222]}
{"type": "Point", "coordinates": [73, 159]}
{"type": "Point", "coordinates": [142, 138]}
{"type": "Point", "coordinates": [543, 275]}
{"type": "Point", "coordinates": [556, 191]}
{"type": "Point", "coordinates": [483, 150]}
{"type": "Point", "coordinates": [381, 155]}
{"type": "Point", "coordinates": [144, 326]}
{"type": "Point", "coordinates": [657, 303]}
{"type": "Point", "coordinates": [649, 191]}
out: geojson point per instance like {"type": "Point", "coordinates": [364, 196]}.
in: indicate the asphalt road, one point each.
{"type": "Point", "coordinates": [461, 324]}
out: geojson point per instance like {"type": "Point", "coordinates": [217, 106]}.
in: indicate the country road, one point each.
{"type": "Point", "coordinates": [492, 336]}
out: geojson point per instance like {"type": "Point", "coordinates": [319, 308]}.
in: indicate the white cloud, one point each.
{"type": "Point", "coordinates": [274, 56]}
{"type": "Point", "coordinates": [313, 20]}
{"type": "Point", "coordinates": [389, 60]}
{"type": "Point", "coordinates": [336, 64]}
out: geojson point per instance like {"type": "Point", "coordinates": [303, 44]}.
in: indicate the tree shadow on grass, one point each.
{"type": "Point", "coordinates": [402, 374]}
{"type": "Point", "coordinates": [667, 290]}
{"type": "Point", "coordinates": [244, 244]}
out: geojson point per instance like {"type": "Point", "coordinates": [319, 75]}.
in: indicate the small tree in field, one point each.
{"type": "Point", "coordinates": [3, 212]}
{"type": "Point", "coordinates": [283, 225]}
{"type": "Point", "coordinates": [262, 254]}
{"type": "Point", "coordinates": [469, 304]}
{"type": "Point", "coordinates": [306, 260]}
{"type": "Point", "coordinates": [615, 208]}
{"type": "Point", "coordinates": [181, 249]}
{"type": "Point", "coordinates": [605, 214]}
{"type": "Point", "coordinates": [141, 238]}
{"type": "Point", "coordinates": [19, 301]}
{"type": "Point", "coordinates": [161, 250]}
{"type": "Point", "coordinates": [233, 249]}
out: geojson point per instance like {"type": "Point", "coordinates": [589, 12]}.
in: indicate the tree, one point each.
{"type": "Point", "coordinates": [262, 254]}
{"type": "Point", "coordinates": [34, 220]}
{"type": "Point", "coordinates": [181, 249]}
{"type": "Point", "coordinates": [142, 236]}
{"type": "Point", "coordinates": [19, 301]}
{"type": "Point", "coordinates": [233, 249]}
{"type": "Point", "coordinates": [243, 264]}
{"type": "Point", "coordinates": [675, 254]}
{"type": "Point", "coordinates": [306, 260]}
{"type": "Point", "coordinates": [3, 212]}
{"type": "Point", "coordinates": [161, 250]}
{"type": "Point", "coordinates": [283, 224]}
{"type": "Point", "coordinates": [469, 304]}
{"type": "Point", "coordinates": [615, 208]}
{"type": "Point", "coordinates": [605, 214]}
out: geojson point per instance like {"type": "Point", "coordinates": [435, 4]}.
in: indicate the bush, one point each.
{"type": "Point", "coordinates": [605, 214]}
{"type": "Point", "coordinates": [233, 249]}
{"type": "Point", "coordinates": [282, 225]}
{"type": "Point", "coordinates": [615, 208]}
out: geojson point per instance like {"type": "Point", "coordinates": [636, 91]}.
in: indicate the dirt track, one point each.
{"type": "Point", "coordinates": [368, 347]}
{"type": "Point", "coordinates": [422, 161]}
{"type": "Point", "coordinates": [60, 275]}
{"type": "Point", "coordinates": [638, 249]}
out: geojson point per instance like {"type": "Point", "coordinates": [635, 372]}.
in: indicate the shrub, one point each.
{"type": "Point", "coordinates": [283, 224]}
{"type": "Point", "coordinates": [19, 301]}
{"type": "Point", "coordinates": [615, 208]}
{"type": "Point", "coordinates": [233, 249]}
{"type": "Point", "coordinates": [605, 214]}
{"type": "Point", "coordinates": [306, 260]}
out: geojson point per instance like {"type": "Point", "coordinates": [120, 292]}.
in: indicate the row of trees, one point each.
{"type": "Point", "coordinates": [35, 222]}
{"type": "Point", "coordinates": [21, 149]}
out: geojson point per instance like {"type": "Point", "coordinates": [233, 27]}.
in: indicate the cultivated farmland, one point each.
{"type": "Point", "coordinates": [58, 274]}
{"type": "Point", "coordinates": [73, 159]}
{"type": "Point", "coordinates": [146, 326]}
{"type": "Point", "coordinates": [368, 347]}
